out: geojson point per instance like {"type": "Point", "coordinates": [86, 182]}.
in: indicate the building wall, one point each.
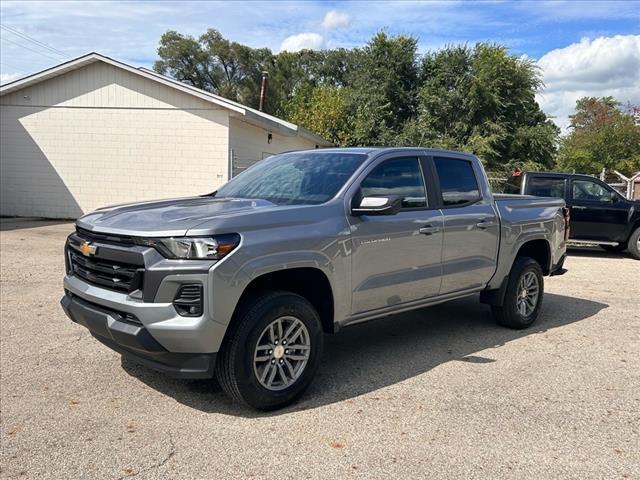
{"type": "Point", "coordinates": [101, 135]}
{"type": "Point", "coordinates": [249, 144]}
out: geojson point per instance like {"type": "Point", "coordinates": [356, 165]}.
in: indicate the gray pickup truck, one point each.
{"type": "Point", "coordinates": [243, 283]}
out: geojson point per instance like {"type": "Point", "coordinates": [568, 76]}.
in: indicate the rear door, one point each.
{"type": "Point", "coordinates": [597, 212]}
{"type": "Point", "coordinates": [471, 226]}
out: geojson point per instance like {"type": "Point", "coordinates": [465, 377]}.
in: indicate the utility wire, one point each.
{"type": "Point", "coordinates": [31, 49]}
{"type": "Point", "coordinates": [34, 41]}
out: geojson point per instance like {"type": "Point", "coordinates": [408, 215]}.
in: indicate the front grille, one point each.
{"type": "Point", "coordinates": [121, 277]}
{"type": "Point", "coordinates": [105, 237]}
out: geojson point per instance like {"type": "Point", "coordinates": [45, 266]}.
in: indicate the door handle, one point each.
{"type": "Point", "coordinates": [578, 207]}
{"type": "Point", "coordinates": [428, 230]}
{"type": "Point", "coordinates": [484, 224]}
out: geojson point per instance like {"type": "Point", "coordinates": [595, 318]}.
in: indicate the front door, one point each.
{"type": "Point", "coordinates": [396, 258]}
{"type": "Point", "coordinates": [596, 212]}
{"type": "Point", "coordinates": [471, 227]}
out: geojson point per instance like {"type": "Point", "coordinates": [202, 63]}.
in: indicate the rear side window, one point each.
{"type": "Point", "coordinates": [545, 187]}
{"type": "Point", "coordinates": [458, 184]}
{"type": "Point", "coordinates": [398, 176]}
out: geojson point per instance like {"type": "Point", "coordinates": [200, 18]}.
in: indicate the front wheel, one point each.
{"type": "Point", "coordinates": [523, 298]}
{"type": "Point", "coordinates": [272, 351]}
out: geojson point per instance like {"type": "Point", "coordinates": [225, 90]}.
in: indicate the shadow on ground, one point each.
{"type": "Point", "coordinates": [367, 357]}
{"type": "Point", "coordinates": [8, 224]}
{"type": "Point", "coordinates": [595, 252]}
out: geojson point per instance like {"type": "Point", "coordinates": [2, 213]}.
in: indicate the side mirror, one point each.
{"type": "Point", "coordinates": [378, 206]}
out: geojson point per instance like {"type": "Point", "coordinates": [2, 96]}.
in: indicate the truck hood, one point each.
{"type": "Point", "coordinates": [167, 218]}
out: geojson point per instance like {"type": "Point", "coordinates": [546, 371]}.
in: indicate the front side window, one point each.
{"type": "Point", "coordinates": [299, 178]}
{"type": "Point", "coordinates": [589, 191]}
{"type": "Point", "coordinates": [546, 187]}
{"type": "Point", "coordinates": [458, 185]}
{"type": "Point", "coordinates": [398, 176]}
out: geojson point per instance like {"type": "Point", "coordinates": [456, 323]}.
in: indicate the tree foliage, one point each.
{"type": "Point", "coordinates": [321, 109]}
{"type": "Point", "coordinates": [479, 99]}
{"type": "Point", "coordinates": [602, 135]}
{"type": "Point", "coordinates": [381, 93]}
{"type": "Point", "coordinates": [234, 71]}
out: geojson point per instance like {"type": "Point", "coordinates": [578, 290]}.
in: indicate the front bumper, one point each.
{"type": "Point", "coordinates": [127, 294]}
{"type": "Point", "coordinates": [174, 332]}
{"type": "Point", "coordinates": [124, 334]}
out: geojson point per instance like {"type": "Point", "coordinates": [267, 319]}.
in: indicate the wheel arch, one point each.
{"type": "Point", "coordinates": [536, 248]}
{"type": "Point", "coordinates": [539, 250]}
{"type": "Point", "coordinates": [309, 282]}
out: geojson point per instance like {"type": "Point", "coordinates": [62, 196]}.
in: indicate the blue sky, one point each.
{"type": "Point", "coordinates": [587, 36]}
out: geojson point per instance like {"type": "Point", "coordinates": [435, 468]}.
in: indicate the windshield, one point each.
{"type": "Point", "coordinates": [303, 178]}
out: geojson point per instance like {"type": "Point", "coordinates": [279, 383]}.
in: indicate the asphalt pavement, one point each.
{"type": "Point", "coordinates": [437, 393]}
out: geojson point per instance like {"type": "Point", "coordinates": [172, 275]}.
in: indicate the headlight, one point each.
{"type": "Point", "coordinates": [193, 248]}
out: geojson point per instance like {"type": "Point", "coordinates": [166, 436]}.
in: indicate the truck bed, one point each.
{"type": "Point", "coordinates": [512, 201]}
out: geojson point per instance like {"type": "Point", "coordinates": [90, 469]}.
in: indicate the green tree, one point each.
{"type": "Point", "coordinates": [482, 100]}
{"type": "Point", "coordinates": [360, 96]}
{"type": "Point", "coordinates": [292, 74]}
{"type": "Point", "coordinates": [182, 57]}
{"type": "Point", "coordinates": [215, 64]}
{"type": "Point", "coordinates": [602, 135]}
{"type": "Point", "coordinates": [382, 89]}
{"type": "Point", "coordinates": [322, 110]}
{"type": "Point", "coordinates": [234, 71]}
{"type": "Point", "coordinates": [478, 99]}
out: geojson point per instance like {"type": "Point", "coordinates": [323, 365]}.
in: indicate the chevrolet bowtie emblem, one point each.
{"type": "Point", "coordinates": [87, 249]}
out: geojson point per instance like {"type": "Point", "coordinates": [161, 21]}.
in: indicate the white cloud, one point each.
{"type": "Point", "coordinates": [302, 41]}
{"type": "Point", "coordinates": [335, 19]}
{"type": "Point", "coordinates": [600, 67]}
{"type": "Point", "coordinates": [9, 77]}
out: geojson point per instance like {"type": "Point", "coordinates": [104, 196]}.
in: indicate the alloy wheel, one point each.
{"type": "Point", "coordinates": [282, 353]}
{"type": "Point", "coordinates": [528, 293]}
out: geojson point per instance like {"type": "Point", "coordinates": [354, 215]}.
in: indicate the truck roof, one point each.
{"type": "Point", "coordinates": [378, 150]}
{"type": "Point", "coordinates": [560, 174]}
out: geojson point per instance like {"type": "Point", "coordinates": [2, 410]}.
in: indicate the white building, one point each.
{"type": "Point", "coordinates": [94, 131]}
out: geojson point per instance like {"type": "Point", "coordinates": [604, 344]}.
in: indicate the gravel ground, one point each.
{"type": "Point", "coordinates": [441, 392]}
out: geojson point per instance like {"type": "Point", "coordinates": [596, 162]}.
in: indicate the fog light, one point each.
{"type": "Point", "coordinates": [188, 300]}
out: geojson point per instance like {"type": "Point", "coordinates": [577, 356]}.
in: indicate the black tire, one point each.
{"type": "Point", "coordinates": [508, 314]}
{"type": "Point", "coordinates": [632, 245]}
{"type": "Point", "coordinates": [235, 365]}
{"type": "Point", "coordinates": [614, 248]}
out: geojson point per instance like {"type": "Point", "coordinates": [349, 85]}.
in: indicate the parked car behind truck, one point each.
{"type": "Point", "coordinates": [599, 214]}
{"type": "Point", "coordinates": [244, 283]}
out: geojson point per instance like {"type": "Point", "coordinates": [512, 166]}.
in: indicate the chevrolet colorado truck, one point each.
{"type": "Point", "coordinates": [243, 283]}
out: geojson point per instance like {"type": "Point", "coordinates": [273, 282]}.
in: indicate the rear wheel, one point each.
{"type": "Point", "coordinates": [525, 289]}
{"type": "Point", "coordinates": [633, 246]}
{"type": "Point", "coordinates": [272, 351]}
